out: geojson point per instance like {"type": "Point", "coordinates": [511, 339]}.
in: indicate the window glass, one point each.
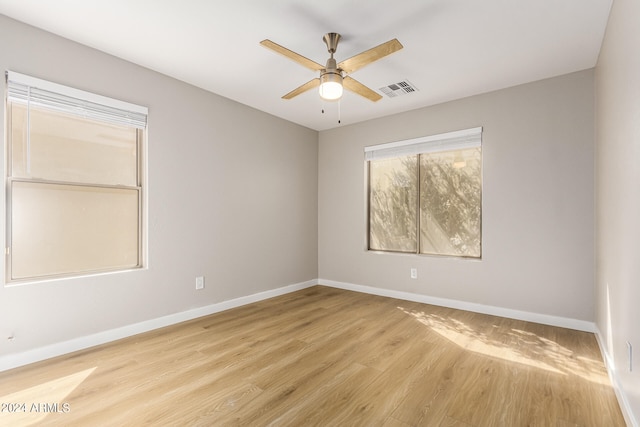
{"type": "Point", "coordinates": [450, 201]}
{"type": "Point", "coordinates": [393, 186]}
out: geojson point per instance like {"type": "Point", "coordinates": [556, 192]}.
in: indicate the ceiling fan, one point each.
{"type": "Point", "coordinates": [334, 76]}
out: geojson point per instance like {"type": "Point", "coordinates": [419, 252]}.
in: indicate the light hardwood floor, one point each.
{"type": "Point", "coordinates": [325, 357]}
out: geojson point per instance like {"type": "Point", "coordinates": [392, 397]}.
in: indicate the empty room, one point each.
{"type": "Point", "coordinates": [335, 213]}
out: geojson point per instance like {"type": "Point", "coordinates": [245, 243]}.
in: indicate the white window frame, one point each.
{"type": "Point", "coordinates": [32, 91]}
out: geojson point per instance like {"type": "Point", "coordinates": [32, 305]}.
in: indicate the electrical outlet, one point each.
{"type": "Point", "coordinates": [630, 355]}
{"type": "Point", "coordinates": [200, 282]}
{"type": "Point", "coordinates": [414, 273]}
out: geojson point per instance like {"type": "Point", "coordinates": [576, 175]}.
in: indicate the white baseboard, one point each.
{"type": "Point", "coordinates": [30, 356]}
{"type": "Point", "coordinates": [563, 322]}
{"type": "Point", "coordinates": [615, 382]}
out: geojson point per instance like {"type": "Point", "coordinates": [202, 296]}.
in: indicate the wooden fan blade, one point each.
{"type": "Point", "coordinates": [368, 56]}
{"type": "Point", "coordinates": [301, 89]}
{"type": "Point", "coordinates": [355, 86]}
{"type": "Point", "coordinates": [305, 62]}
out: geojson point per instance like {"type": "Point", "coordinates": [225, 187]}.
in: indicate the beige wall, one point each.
{"type": "Point", "coordinates": [618, 195]}
{"type": "Point", "coordinates": [232, 196]}
{"type": "Point", "coordinates": [538, 202]}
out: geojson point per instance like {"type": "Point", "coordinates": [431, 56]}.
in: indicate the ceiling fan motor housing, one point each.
{"type": "Point", "coordinates": [330, 76]}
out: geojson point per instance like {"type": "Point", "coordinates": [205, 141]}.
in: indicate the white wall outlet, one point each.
{"type": "Point", "coordinates": [414, 273]}
{"type": "Point", "coordinates": [630, 355]}
{"type": "Point", "coordinates": [200, 282]}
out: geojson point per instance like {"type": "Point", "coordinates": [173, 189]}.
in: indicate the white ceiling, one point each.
{"type": "Point", "coordinates": [452, 48]}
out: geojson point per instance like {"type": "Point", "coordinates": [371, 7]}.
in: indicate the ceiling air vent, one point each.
{"type": "Point", "coordinates": [398, 89]}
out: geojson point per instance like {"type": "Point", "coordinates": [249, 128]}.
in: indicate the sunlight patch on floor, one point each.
{"type": "Point", "coordinates": [30, 406]}
{"type": "Point", "coordinates": [524, 347]}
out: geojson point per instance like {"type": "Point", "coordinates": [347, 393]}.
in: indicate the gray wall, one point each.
{"type": "Point", "coordinates": [618, 194]}
{"type": "Point", "coordinates": [232, 196]}
{"type": "Point", "coordinates": [538, 202]}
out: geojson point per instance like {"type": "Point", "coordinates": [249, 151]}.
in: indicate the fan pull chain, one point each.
{"type": "Point", "coordinates": [339, 110]}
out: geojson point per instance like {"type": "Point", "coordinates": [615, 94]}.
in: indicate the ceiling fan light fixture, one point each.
{"type": "Point", "coordinates": [330, 86]}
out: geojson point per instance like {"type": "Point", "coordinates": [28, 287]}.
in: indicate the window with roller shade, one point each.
{"type": "Point", "coordinates": [74, 181]}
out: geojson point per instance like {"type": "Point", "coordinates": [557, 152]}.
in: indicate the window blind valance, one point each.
{"type": "Point", "coordinates": [468, 138]}
{"type": "Point", "coordinates": [36, 92]}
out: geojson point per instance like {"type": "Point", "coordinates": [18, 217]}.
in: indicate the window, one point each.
{"type": "Point", "coordinates": [74, 181]}
{"type": "Point", "coordinates": [425, 195]}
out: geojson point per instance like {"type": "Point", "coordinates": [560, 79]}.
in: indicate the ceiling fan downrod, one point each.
{"type": "Point", "coordinates": [331, 40]}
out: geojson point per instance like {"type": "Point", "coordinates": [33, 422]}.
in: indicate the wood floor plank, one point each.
{"type": "Point", "coordinates": [451, 422]}
{"type": "Point", "coordinates": [386, 392]}
{"type": "Point", "coordinates": [393, 422]}
{"type": "Point", "coordinates": [429, 404]}
{"type": "Point", "coordinates": [321, 405]}
{"type": "Point", "coordinates": [325, 356]}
